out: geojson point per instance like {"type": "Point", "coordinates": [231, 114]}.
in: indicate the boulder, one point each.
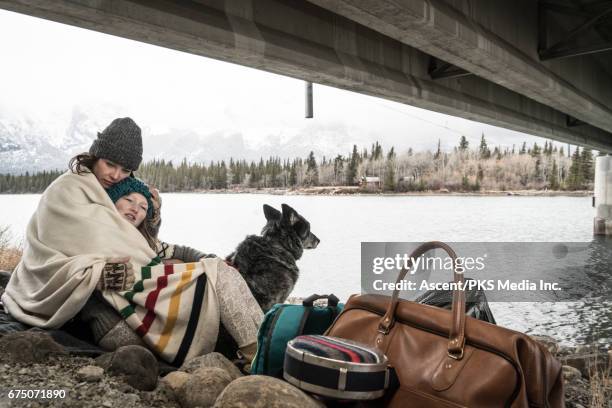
{"type": "Point", "coordinates": [211, 360]}
{"type": "Point", "coordinates": [203, 387]}
{"type": "Point", "coordinates": [90, 373]}
{"type": "Point", "coordinates": [261, 391]}
{"type": "Point", "coordinates": [175, 380]}
{"type": "Point", "coordinates": [571, 374]}
{"type": "Point", "coordinates": [136, 363]}
{"type": "Point", "coordinates": [31, 346]}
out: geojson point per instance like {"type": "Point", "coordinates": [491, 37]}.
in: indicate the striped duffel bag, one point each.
{"type": "Point", "coordinates": [337, 368]}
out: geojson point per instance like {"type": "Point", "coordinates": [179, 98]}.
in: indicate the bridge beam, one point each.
{"type": "Point", "coordinates": [301, 40]}
{"type": "Point", "coordinates": [440, 30]}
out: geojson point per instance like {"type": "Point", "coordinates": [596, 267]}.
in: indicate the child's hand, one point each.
{"type": "Point", "coordinates": [118, 274]}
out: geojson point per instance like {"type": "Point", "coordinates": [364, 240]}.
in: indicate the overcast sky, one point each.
{"type": "Point", "coordinates": [49, 68]}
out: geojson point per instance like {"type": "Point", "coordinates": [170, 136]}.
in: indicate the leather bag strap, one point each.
{"type": "Point", "coordinates": [456, 339]}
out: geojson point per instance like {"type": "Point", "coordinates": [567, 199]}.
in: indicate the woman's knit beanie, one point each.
{"type": "Point", "coordinates": [120, 142]}
{"type": "Point", "coordinates": [131, 185]}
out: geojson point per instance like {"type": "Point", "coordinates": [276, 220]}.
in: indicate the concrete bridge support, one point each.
{"type": "Point", "coordinates": [603, 196]}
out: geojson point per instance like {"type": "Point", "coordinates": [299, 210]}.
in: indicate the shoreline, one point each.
{"type": "Point", "coordinates": [356, 191]}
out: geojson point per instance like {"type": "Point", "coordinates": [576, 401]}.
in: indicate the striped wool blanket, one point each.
{"type": "Point", "coordinates": [75, 230]}
{"type": "Point", "coordinates": [173, 308]}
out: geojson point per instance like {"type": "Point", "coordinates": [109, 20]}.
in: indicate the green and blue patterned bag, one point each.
{"type": "Point", "coordinates": [285, 322]}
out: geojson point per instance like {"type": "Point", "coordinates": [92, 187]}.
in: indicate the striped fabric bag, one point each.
{"type": "Point", "coordinates": [337, 368]}
{"type": "Point", "coordinates": [173, 308]}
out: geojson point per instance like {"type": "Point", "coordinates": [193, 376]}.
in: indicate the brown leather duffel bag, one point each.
{"type": "Point", "coordinates": [444, 359]}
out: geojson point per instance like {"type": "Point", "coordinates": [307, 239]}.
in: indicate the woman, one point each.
{"type": "Point", "coordinates": [76, 241]}
{"type": "Point", "coordinates": [115, 155]}
{"type": "Point", "coordinates": [239, 311]}
{"type": "Point", "coordinates": [55, 278]}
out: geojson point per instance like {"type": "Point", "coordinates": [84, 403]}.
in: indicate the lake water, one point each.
{"type": "Point", "coordinates": [217, 222]}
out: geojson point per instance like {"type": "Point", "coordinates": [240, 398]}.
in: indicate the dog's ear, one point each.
{"type": "Point", "coordinates": [271, 213]}
{"type": "Point", "coordinates": [289, 214]}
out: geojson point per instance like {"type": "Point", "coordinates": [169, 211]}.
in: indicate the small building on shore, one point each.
{"type": "Point", "coordinates": [370, 183]}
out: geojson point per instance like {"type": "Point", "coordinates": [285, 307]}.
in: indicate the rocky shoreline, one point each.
{"type": "Point", "coordinates": [131, 376]}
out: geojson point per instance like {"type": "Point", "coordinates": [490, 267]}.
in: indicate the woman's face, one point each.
{"type": "Point", "coordinates": [133, 207]}
{"type": "Point", "coordinates": [109, 173]}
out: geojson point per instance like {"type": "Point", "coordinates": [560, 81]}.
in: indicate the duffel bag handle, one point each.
{"type": "Point", "coordinates": [332, 300]}
{"type": "Point", "coordinates": [456, 339]}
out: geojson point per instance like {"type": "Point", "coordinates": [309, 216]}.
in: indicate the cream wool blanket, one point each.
{"type": "Point", "coordinates": [72, 234]}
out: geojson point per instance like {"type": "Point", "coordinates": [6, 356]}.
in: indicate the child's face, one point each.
{"type": "Point", "coordinates": [133, 207]}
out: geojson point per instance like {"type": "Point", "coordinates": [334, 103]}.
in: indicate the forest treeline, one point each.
{"type": "Point", "coordinates": [465, 168]}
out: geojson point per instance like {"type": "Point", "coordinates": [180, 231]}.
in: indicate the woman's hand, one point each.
{"type": "Point", "coordinates": [156, 199]}
{"type": "Point", "coordinates": [117, 274]}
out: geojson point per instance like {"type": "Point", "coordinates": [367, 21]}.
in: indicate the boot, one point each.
{"type": "Point", "coordinates": [247, 354]}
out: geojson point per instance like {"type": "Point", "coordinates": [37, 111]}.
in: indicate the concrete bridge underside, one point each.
{"type": "Point", "coordinates": [539, 67]}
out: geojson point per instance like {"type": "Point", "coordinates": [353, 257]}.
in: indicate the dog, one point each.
{"type": "Point", "coordinates": [268, 262]}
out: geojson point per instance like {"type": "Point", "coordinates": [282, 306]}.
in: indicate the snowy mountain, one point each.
{"type": "Point", "coordinates": [24, 146]}
{"type": "Point", "coordinates": [30, 145]}
{"type": "Point", "coordinates": [44, 143]}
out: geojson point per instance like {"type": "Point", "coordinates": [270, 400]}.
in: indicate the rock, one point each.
{"type": "Point", "coordinates": [130, 399]}
{"type": "Point", "coordinates": [570, 374]}
{"type": "Point", "coordinates": [577, 394]}
{"type": "Point", "coordinates": [175, 380]}
{"type": "Point", "coordinates": [261, 391]}
{"type": "Point", "coordinates": [211, 360]}
{"type": "Point", "coordinates": [203, 387]}
{"type": "Point", "coordinates": [90, 373]}
{"type": "Point", "coordinates": [163, 392]}
{"type": "Point", "coordinates": [31, 346]}
{"type": "Point", "coordinates": [136, 363]}
{"type": "Point", "coordinates": [586, 363]}
{"type": "Point", "coordinates": [104, 360]}
{"type": "Point", "coordinates": [551, 344]}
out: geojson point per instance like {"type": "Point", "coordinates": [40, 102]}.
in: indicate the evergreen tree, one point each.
{"type": "Point", "coordinates": [587, 168]}
{"type": "Point", "coordinates": [497, 153]}
{"type": "Point", "coordinates": [293, 175]}
{"type": "Point", "coordinates": [554, 178]}
{"type": "Point", "coordinates": [463, 143]}
{"type": "Point", "coordinates": [312, 171]}
{"type": "Point", "coordinates": [523, 148]}
{"type": "Point", "coordinates": [438, 151]}
{"type": "Point", "coordinates": [389, 181]}
{"type": "Point", "coordinates": [574, 179]}
{"type": "Point", "coordinates": [377, 151]}
{"type": "Point", "coordinates": [465, 183]}
{"type": "Point", "coordinates": [338, 168]}
{"type": "Point", "coordinates": [351, 173]}
{"type": "Point", "coordinates": [536, 150]}
{"type": "Point", "coordinates": [484, 150]}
